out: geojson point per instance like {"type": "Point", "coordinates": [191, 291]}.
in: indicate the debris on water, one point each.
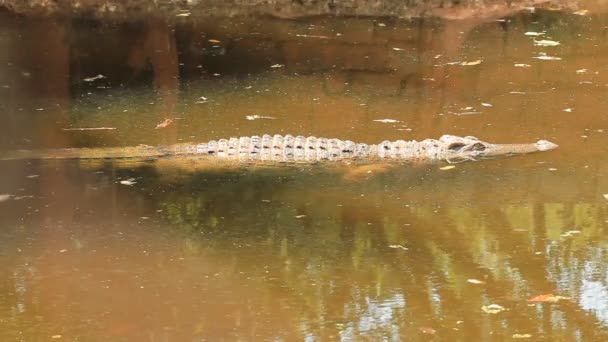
{"type": "Point", "coordinates": [130, 181]}
{"type": "Point", "coordinates": [165, 123]}
{"type": "Point", "coordinates": [300, 216]}
{"type": "Point", "coordinates": [447, 167]}
{"type": "Point", "coordinates": [486, 104]}
{"type": "Point", "coordinates": [427, 331]}
{"type": "Point", "coordinates": [475, 62]}
{"type": "Point", "coordinates": [398, 49]}
{"type": "Point", "coordinates": [547, 298]}
{"type": "Point", "coordinates": [5, 197]}
{"type": "Point", "coordinates": [534, 34]}
{"type": "Point", "coordinates": [492, 308]}
{"type": "Point", "coordinates": [382, 24]}
{"type": "Point", "coordinates": [215, 41]}
{"type": "Point", "coordinates": [582, 71]}
{"type": "Point", "coordinates": [63, 251]}
{"type": "Point", "coordinates": [552, 169]}
{"type": "Point", "coordinates": [32, 176]}
{"type": "Point", "coordinates": [256, 117]}
{"type": "Point", "coordinates": [91, 79]}
{"type": "Point", "coordinates": [604, 195]}
{"type": "Point", "coordinates": [544, 57]}
{"type": "Point", "coordinates": [522, 65]}
{"type": "Point", "coordinates": [89, 129]}
{"type": "Point", "coordinates": [570, 233]}
{"type": "Point", "coordinates": [581, 12]}
{"type": "Point", "coordinates": [475, 281]}
{"type": "Point", "coordinates": [277, 66]}
{"type": "Point", "coordinates": [569, 110]}
{"type": "Point", "coordinates": [56, 336]}
{"type": "Point", "coordinates": [186, 14]}
{"type": "Point", "coordinates": [521, 336]}
{"type": "Point", "coordinates": [546, 42]}
{"type": "Point", "coordinates": [398, 247]}
{"type": "Point", "coordinates": [386, 120]}
{"type": "Point", "coordinates": [313, 36]}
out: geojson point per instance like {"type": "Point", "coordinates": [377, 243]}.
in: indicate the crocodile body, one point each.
{"type": "Point", "coordinates": [288, 148]}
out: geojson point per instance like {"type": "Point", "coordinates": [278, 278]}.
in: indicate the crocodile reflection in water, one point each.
{"type": "Point", "coordinates": [276, 149]}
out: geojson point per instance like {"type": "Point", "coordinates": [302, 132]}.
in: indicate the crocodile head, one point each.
{"type": "Point", "coordinates": [458, 149]}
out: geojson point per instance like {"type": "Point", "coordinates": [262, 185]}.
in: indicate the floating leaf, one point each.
{"type": "Point", "coordinates": [582, 71]}
{"type": "Point", "coordinates": [448, 167]}
{"type": "Point", "coordinates": [570, 233]}
{"type": "Point", "coordinates": [546, 298]}
{"type": "Point", "coordinates": [476, 62]}
{"type": "Point", "coordinates": [398, 246]}
{"type": "Point", "coordinates": [386, 120]}
{"type": "Point", "coordinates": [521, 336]}
{"type": "Point", "coordinates": [187, 14]}
{"type": "Point", "coordinates": [492, 308]}
{"type": "Point", "coordinates": [547, 58]}
{"type": "Point", "coordinates": [427, 330]}
{"type": "Point", "coordinates": [91, 79]}
{"type": "Point", "coordinates": [569, 110]}
{"type": "Point", "coordinates": [214, 41]}
{"type": "Point", "coordinates": [534, 34]}
{"type": "Point", "coordinates": [581, 12]}
{"type": "Point", "coordinates": [486, 104]}
{"type": "Point", "coordinates": [164, 124]}
{"type": "Point", "coordinates": [546, 42]}
{"type": "Point", "coordinates": [475, 281]}
{"type": "Point", "coordinates": [256, 117]}
{"type": "Point", "coordinates": [398, 49]}
{"type": "Point", "coordinates": [277, 66]}
{"type": "Point", "coordinates": [300, 216]}
{"type": "Point", "coordinates": [129, 181]}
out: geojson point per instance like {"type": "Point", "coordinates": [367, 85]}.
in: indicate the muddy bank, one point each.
{"type": "Point", "coordinates": [135, 9]}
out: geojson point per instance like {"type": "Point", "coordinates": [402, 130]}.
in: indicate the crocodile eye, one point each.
{"type": "Point", "coordinates": [478, 147]}
{"type": "Point", "coordinates": [456, 146]}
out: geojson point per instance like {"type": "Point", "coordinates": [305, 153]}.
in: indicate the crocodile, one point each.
{"type": "Point", "coordinates": [288, 148]}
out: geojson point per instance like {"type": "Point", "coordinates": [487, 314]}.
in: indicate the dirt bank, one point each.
{"type": "Point", "coordinates": [134, 9]}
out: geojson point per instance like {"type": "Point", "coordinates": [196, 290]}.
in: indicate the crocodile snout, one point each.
{"type": "Point", "coordinates": [545, 145]}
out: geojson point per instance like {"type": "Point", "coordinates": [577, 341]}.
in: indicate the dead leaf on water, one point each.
{"type": "Point", "coordinates": [547, 58]}
{"type": "Point", "coordinates": [492, 308]}
{"type": "Point", "coordinates": [521, 336]}
{"type": "Point", "coordinates": [214, 41]}
{"type": "Point", "coordinates": [300, 216]}
{"type": "Point", "coordinates": [486, 104]}
{"type": "Point", "coordinates": [398, 247]}
{"type": "Point", "coordinates": [448, 167]}
{"type": "Point", "coordinates": [91, 79]}
{"type": "Point", "coordinates": [581, 12]}
{"type": "Point", "coordinates": [398, 49]}
{"type": "Point", "coordinates": [547, 298]}
{"type": "Point", "coordinates": [129, 181]}
{"type": "Point", "coordinates": [570, 233]}
{"type": "Point", "coordinates": [386, 120]}
{"type": "Point", "coordinates": [476, 62]}
{"type": "Point", "coordinates": [256, 117]}
{"type": "Point", "coordinates": [475, 281]}
{"type": "Point", "coordinates": [165, 123]}
{"type": "Point", "coordinates": [427, 331]}
{"type": "Point", "coordinates": [546, 42]}
{"type": "Point", "coordinates": [89, 129]}
{"type": "Point", "coordinates": [187, 14]}
{"type": "Point", "coordinates": [534, 34]}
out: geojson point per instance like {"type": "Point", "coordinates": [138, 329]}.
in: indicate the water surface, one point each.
{"type": "Point", "coordinates": [203, 253]}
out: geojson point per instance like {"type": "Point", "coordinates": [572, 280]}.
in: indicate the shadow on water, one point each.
{"type": "Point", "coordinates": [303, 252]}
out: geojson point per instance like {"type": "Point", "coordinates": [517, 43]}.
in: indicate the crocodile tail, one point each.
{"type": "Point", "coordinates": [142, 151]}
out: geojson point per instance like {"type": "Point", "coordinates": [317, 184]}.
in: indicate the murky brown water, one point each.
{"type": "Point", "coordinates": [314, 254]}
